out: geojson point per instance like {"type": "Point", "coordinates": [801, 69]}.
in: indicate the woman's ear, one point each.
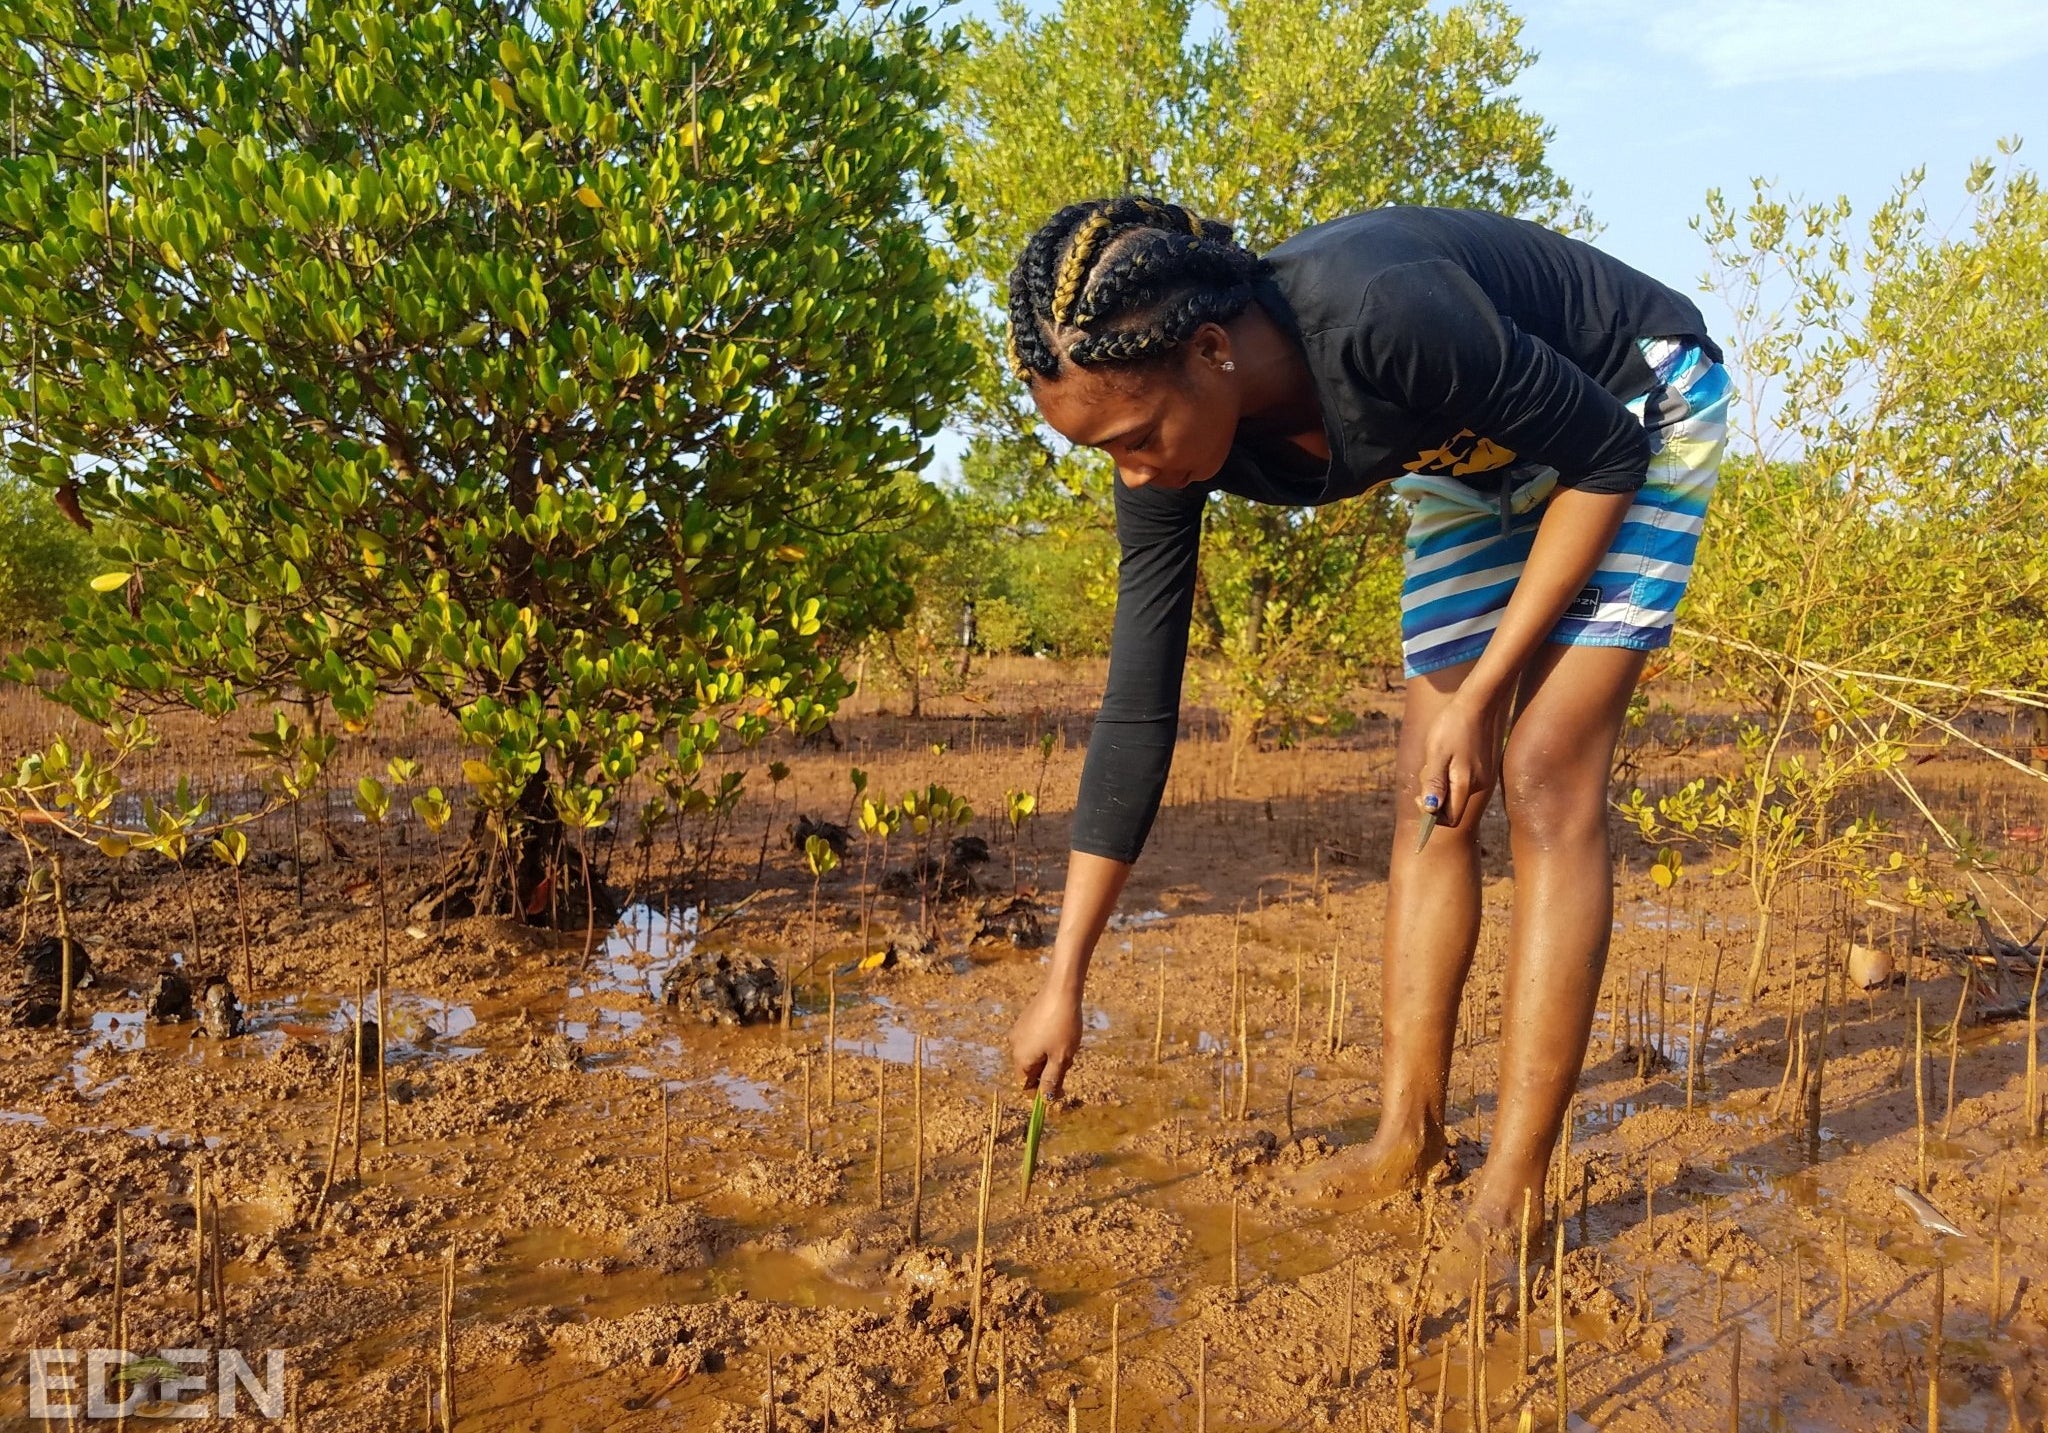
{"type": "Point", "coordinates": [1209, 353]}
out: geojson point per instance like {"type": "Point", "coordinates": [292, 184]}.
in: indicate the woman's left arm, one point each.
{"type": "Point", "coordinates": [1463, 745]}
{"type": "Point", "coordinates": [1433, 340]}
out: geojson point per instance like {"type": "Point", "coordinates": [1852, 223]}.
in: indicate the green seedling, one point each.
{"type": "Point", "coordinates": [822, 861]}
{"type": "Point", "coordinates": [1031, 1134]}
{"type": "Point", "coordinates": [147, 1370]}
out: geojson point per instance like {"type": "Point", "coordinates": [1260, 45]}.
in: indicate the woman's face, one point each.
{"type": "Point", "coordinates": [1165, 425]}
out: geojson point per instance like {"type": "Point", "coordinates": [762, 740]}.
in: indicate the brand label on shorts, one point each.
{"type": "Point", "coordinates": [1586, 604]}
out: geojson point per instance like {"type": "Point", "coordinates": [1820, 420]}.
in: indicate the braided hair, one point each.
{"type": "Point", "coordinates": [1122, 281]}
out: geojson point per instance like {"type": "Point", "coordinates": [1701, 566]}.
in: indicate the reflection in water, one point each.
{"type": "Point", "coordinates": [1136, 920]}
{"type": "Point", "coordinates": [1648, 914]}
{"type": "Point", "coordinates": [641, 950]}
{"type": "Point", "coordinates": [418, 1026]}
{"type": "Point", "coordinates": [604, 1020]}
{"type": "Point", "coordinates": [117, 1030]}
{"type": "Point", "coordinates": [744, 1094]}
{"type": "Point", "coordinates": [894, 1038]}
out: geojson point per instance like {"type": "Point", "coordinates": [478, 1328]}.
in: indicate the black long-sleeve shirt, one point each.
{"type": "Point", "coordinates": [1441, 341]}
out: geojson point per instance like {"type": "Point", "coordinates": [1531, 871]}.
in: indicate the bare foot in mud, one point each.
{"type": "Point", "coordinates": [1463, 1248]}
{"type": "Point", "coordinates": [1496, 1205]}
{"type": "Point", "coordinates": [1396, 1158]}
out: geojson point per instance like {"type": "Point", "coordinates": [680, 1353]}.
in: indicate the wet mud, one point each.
{"type": "Point", "coordinates": [667, 1210]}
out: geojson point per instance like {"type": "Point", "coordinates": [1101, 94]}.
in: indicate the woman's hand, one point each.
{"type": "Point", "coordinates": [1046, 1038]}
{"type": "Point", "coordinates": [1460, 758]}
{"type": "Point", "coordinates": [1461, 754]}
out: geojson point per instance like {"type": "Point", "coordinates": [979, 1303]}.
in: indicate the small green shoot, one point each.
{"type": "Point", "coordinates": [1031, 1134]}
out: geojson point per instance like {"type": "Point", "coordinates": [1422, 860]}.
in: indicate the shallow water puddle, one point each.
{"type": "Point", "coordinates": [417, 1025]}
{"type": "Point", "coordinates": [1787, 1183]}
{"type": "Point", "coordinates": [604, 1023]}
{"type": "Point", "coordinates": [655, 1062]}
{"type": "Point", "coordinates": [1651, 913]}
{"type": "Point", "coordinates": [893, 1036]}
{"type": "Point", "coordinates": [114, 1033]}
{"type": "Point", "coordinates": [637, 955]}
{"type": "Point", "coordinates": [742, 1093]}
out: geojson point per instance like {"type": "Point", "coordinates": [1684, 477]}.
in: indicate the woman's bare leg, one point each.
{"type": "Point", "coordinates": [1555, 780]}
{"type": "Point", "coordinates": [1432, 927]}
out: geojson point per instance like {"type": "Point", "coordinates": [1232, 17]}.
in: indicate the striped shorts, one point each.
{"type": "Point", "coordinates": [1466, 547]}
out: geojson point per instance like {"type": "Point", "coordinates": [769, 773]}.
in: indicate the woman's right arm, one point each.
{"type": "Point", "coordinates": [1130, 751]}
{"type": "Point", "coordinates": [1047, 1034]}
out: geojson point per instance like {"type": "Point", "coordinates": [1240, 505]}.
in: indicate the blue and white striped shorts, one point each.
{"type": "Point", "coordinates": [1466, 547]}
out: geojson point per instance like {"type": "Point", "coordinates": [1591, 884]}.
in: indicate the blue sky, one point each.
{"type": "Point", "coordinates": [1652, 105]}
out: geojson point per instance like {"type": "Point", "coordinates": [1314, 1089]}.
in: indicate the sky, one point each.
{"type": "Point", "coordinates": [1653, 105]}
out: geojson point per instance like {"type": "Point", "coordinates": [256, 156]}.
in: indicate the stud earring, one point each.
{"type": "Point", "coordinates": [1229, 366]}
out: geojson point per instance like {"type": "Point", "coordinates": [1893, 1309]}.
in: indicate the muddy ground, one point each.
{"type": "Point", "coordinates": [525, 1135]}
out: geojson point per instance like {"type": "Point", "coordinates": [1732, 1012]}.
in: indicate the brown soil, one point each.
{"type": "Point", "coordinates": [525, 1103]}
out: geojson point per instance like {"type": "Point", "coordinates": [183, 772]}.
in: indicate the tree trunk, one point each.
{"type": "Point", "coordinates": [1759, 955]}
{"type": "Point", "coordinates": [513, 872]}
{"type": "Point", "coordinates": [66, 977]}
{"type": "Point", "coordinates": [1210, 620]}
{"type": "Point", "coordinates": [1255, 613]}
{"type": "Point", "coordinates": [1244, 735]}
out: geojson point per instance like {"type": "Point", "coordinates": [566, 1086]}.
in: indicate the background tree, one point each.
{"type": "Point", "coordinates": [1872, 564]}
{"type": "Point", "coordinates": [1282, 114]}
{"type": "Point", "coordinates": [1883, 513]}
{"type": "Point", "coordinates": [1051, 557]}
{"type": "Point", "coordinates": [43, 558]}
{"type": "Point", "coordinates": [946, 557]}
{"type": "Point", "coordinates": [554, 363]}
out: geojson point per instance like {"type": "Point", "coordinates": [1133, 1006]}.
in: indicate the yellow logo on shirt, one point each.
{"type": "Point", "coordinates": [1464, 452]}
